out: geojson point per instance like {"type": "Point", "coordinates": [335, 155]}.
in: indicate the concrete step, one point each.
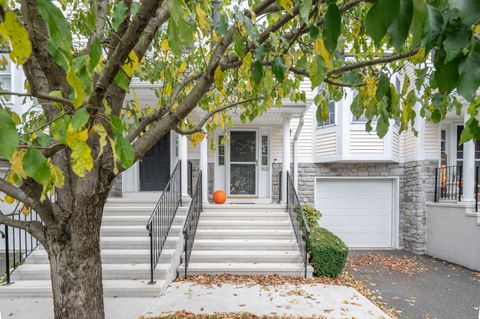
{"type": "Point", "coordinates": [109, 272]}
{"type": "Point", "coordinates": [243, 215]}
{"type": "Point", "coordinates": [244, 244]}
{"type": "Point", "coordinates": [135, 211]}
{"type": "Point", "coordinates": [135, 220]}
{"type": "Point", "coordinates": [111, 256]}
{"type": "Point", "coordinates": [245, 256]}
{"type": "Point", "coordinates": [245, 224]}
{"type": "Point", "coordinates": [133, 231]}
{"type": "Point", "coordinates": [286, 269]}
{"type": "Point", "coordinates": [244, 207]}
{"type": "Point", "coordinates": [134, 242]}
{"type": "Point", "coordinates": [234, 233]}
{"type": "Point", "coordinates": [111, 288]}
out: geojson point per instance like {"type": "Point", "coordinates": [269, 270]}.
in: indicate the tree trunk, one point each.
{"type": "Point", "coordinates": [75, 262]}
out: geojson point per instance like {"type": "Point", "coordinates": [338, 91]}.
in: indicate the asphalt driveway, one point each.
{"type": "Point", "coordinates": [418, 287]}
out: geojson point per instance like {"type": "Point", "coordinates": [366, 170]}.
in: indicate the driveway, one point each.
{"type": "Point", "coordinates": [418, 287]}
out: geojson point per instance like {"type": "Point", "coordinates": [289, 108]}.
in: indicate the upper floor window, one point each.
{"type": "Point", "coordinates": [331, 116]}
{"type": "Point", "coordinates": [6, 80]}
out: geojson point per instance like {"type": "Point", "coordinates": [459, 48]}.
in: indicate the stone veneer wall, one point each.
{"type": "Point", "coordinates": [416, 183]}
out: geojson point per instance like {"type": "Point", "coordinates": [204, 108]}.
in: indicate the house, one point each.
{"type": "Point", "coordinates": [374, 193]}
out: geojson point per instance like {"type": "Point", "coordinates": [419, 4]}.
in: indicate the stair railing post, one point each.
{"type": "Point", "coordinates": [436, 185]}
{"type": "Point", "coordinates": [151, 254]}
{"type": "Point", "coordinates": [7, 255]}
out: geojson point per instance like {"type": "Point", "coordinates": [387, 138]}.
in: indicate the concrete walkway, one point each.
{"type": "Point", "coordinates": [286, 300]}
{"type": "Point", "coordinates": [42, 308]}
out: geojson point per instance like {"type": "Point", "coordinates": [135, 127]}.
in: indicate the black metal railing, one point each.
{"type": "Point", "coordinates": [18, 244]}
{"type": "Point", "coordinates": [280, 182]}
{"type": "Point", "coordinates": [191, 222]}
{"type": "Point", "coordinates": [449, 183]}
{"type": "Point", "coordinates": [162, 217]}
{"type": "Point", "coordinates": [299, 223]}
{"type": "Point", "coordinates": [190, 177]}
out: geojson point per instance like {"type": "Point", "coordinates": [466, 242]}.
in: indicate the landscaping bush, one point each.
{"type": "Point", "coordinates": [328, 253]}
{"type": "Point", "coordinates": [312, 215]}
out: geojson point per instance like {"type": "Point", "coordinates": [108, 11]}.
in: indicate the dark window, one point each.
{"type": "Point", "coordinates": [221, 150]}
{"type": "Point", "coordinates": [264, 150]}
{"type": "Point", "coordinates": [242, 146]}
{"type": "Point", "coordinates": [460, 147]}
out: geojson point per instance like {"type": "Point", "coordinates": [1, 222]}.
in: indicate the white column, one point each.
{"type": "Point", "coordinates": [204, 168]}
{"type": "Point", "coordinates": [183, 156]}
{"type": "Point", "coordinates": [468, 169]}
{"type": "Point", "coordinates": [286, 156]}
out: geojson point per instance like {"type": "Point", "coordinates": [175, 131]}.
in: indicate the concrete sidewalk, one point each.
{"type": "Point", "coordinates": [286, 300]}
{"type": "Point", "coordinates": [42, 308]}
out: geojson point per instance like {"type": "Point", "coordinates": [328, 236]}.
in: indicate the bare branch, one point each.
{"type": "Point", "coordinates": [16, 193]}
{"type": "Point", "coordinates": [41, 96]}
{"type": "Point", "coordinates": [35, 228]}
{"type": "Point", "coordinates": [204, 120]}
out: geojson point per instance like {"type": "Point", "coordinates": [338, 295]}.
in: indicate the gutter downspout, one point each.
{"type": "Point", "coordinates": [295, 150]}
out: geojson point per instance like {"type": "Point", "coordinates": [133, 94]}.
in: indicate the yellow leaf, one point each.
{"type": "Point", "coordinates": [26, 210]}
{"type": "Point", "coordinates": [419, 57]}
{"type": "Point", "coordinates": [371, 87]}
{"type": "Point", "coordinates": [197, 138]}
{"type": "Point", "coordinates": [222, 122]}
{"type": "Point", "coordinates": [320, 49]}
{"type": "Point", "coordinates": [9, 199]}
{"type": "Point", "coordinates": [287, 5]}
{"type": "Point", "coordinates": [246, 64]}
{"type": "Point", "coordinates": [164, 45]}
{"type": "Point", "coordinates": [218, 78]}
{"type": "Point", "coordinates": [17, 163]}
{"type": "Point", "coordinates": [75, 137]}
{"type": "Point", "coordinates": [202, 19]}
{"type": "Point", "coordinates": [16, 34]}
{"type": "Point", "coordinates": [174, 106]}
{"type": "Point", "coordinates": [168, 89]}
{"type": "Point", "coordinates": [77, 87]}
{"type": "Point", "coordinates": [56, 175]}
{"type": "Point", "coordinates": [477, 28]}
{"type": "Point", "coordinates": [183, 66]}
{"type": "Point", "coordinates": [115, 156]}
{"type": "Point", "coordinates": [132, 64]}
{"type": "Point", "coordinates": [82, 161]}
{"type": "Point", "coordinates": [102, 134]}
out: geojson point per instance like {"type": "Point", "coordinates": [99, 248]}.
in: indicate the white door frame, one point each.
{"type": "Point", "coordinates": [227, 162]}
{"type": "Point", "coordinates": [395, 200]}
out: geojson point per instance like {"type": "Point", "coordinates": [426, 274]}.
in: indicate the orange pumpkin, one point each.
{"type": "Point", "coordinates": [219, 197]}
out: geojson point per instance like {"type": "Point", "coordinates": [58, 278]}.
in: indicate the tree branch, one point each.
{"type": "Point", "coordinates": [199, 126]}
{"type": "Point", "coordinates": [16, 193]}
{"type": "Point", "coordinates": [35, 228]}
{"type": "Point", "coordinates": [42, 97]}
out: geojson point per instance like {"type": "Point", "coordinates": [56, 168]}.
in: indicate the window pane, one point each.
{"type": "Point", "coordinates": [264, 150]}
{"type": "Point", "coordinates": [242, 147]}
{"type": "Point", "coordinates": [331, 115]}
{"type": "Point", "coordinates": [221, 151]}
{"type": "Point", "coordinates": [242, 179]}
{"type": "Point", "coordinates": [6, 82]}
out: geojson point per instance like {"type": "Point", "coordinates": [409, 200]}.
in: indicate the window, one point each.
{"type": "Point", "coordinates": [221, 150]}
{"type": "Point", "coordinates": [331, 116]}
{"type": "Point", "coordinates": [460, 148]}
{"type": "Point", "coordinates": [6, 80]}
{"type": "Point", "coordinates": [443, 148]}
{"type": "Point", "coordinates": [264, 150]}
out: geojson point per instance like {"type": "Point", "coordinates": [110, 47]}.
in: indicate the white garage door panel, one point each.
{"type": "Point", "coordinates": [359, 211]}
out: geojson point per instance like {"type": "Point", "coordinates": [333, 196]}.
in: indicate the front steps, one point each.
{"type": "Point", "coordinates": [125, 251]}
{"type": "Point", "coordinates": [245, 239]}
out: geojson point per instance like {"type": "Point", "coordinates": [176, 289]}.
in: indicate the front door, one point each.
{"type": "Point", "coordinates": [243, 163]}
{"type": "Point", "coordinates": [155, 166]}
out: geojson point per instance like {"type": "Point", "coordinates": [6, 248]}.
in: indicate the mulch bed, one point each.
{"type": "Point", "coordinates": [230, 315]}
{"type": "Point", "coordinates": [406, 265]}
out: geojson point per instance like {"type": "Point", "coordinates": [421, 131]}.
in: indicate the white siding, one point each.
{"type": "Point", "coordinates": [432, 141]}
{"type": "Point", "coordinates": [277, 143]}
{"type": "Point", "coordinates": [409, 145]}
{"type": "Point", "coordinates": [326, 143]}
{"type": "Point", "coordinates": [362, 142]}
{"type": "Point", "coordinates": [395, 142]}
{"type": "Point", "coordinates": [305, 139]}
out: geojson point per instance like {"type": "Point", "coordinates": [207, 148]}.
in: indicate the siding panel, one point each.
{"type": "Point", "coordinates": [326, 143]}
{"type": "Point", "coordinates": [362, 142]}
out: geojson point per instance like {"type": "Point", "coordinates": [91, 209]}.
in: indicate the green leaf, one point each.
{"type": "Point", "coordinates": [470, 75]}
{"type": "Point", "coordinates": [433, 28]}
{"type": "Point", "coordinates": [357, 107]}
{"type": "Point", "coordinates": [95, 53]}
{"type": "Point", "coordinates": [419, 18]}
{"type": "Point", "coordinates": [80, 118]}
{"type": "Point", "coordinates": [59, 129]}
{"type": "Point", "coordinates": [470, 10]}
{"type": "Point", "coordinates": [177, 8]}
{"type": "Point", "coordinates": [278, 69]}
{"type": "Point", "coordinates": [9, 137]}
{"type": "Point", "coordinates": [331, 27]}
{"type": "Point", "coordinates": [122, 80]}
{"type": "Point", "coordinates": [119, 14]}
{"type": "Point", "coordinates": [305, 8]}
{"type": "Point", "coordinates": [382, 126]}
{"type": "Point", "coordinates": [446, 76]}
{"type": "Point", "coordinates": [124, 151]}
{"type": "Point", "coordinates": [383, 86]}
{"type": "Point", "coordinates": [173, 41]}
{"type": "Point", "coordinates": [57, 24]}
{"type": "Point", "coordinates": [317, 71]}
{"type": "Point", "coordinates": [466, 135]}
{"type": "Point", "coordinates": [380, 17]}
{"type": "Point", "coordinates": [457, 37]}
{"type": "Point", "coordinates": [117, 125]}
{"type": "Point", "coordinates": [257, 72]}
{"type": "Point", "coordinates": [398, 30]}
{"type": "Point", "coordinates": [239, 44]}
{"type": "Point", "coordinates": [36, 166]}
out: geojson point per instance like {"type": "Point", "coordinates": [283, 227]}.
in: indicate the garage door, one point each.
{"type": "Point", "coordinates": [359, 211]}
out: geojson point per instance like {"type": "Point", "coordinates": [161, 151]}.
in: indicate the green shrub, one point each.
{"type": "Point", "coordinates": [328, 253]}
